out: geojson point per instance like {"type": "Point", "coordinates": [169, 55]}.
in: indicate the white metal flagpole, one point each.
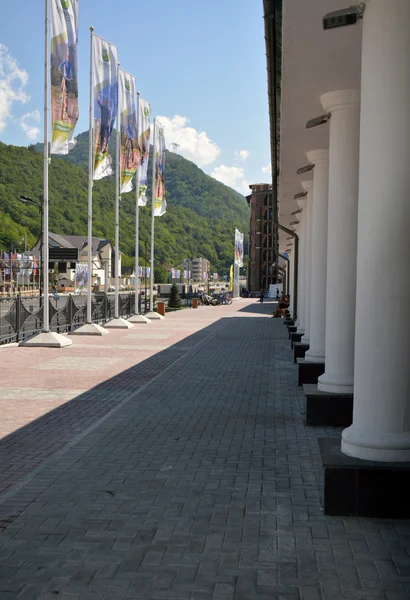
{"type": "Point", "coordinates": [46, 338]}
{"type": "Point", "coordinates": [90, 185]}
{"type": "Point", "coordinates": [137, 193]}
{"type": "Point", "coordinates": [152, 226]}
{"type": "Point", "coordinates": [46, 311]}
{"type": "Point", "coordinates": [117, 204]}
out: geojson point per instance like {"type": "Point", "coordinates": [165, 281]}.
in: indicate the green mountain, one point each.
{"type": "Point", "coordinates": [200, 220]}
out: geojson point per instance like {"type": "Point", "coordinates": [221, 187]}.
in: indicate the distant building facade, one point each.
{"type": "Point", "coordinates": [197, 266]}
{"type": "Point", "coordinates": [261, 238]}
{"type": "Point", "coordinates": [102, 257]}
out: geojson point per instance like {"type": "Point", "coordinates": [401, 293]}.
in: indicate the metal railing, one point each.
{"type": "Point", "coordinates": [22, 317]}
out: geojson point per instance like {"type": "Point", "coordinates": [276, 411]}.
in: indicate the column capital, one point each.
{"type": "Point", "coordinates": [340, 100]}
{"type": "Point", "coordinates": [318, 156]}
{"type": "Point", "coordinates": [307, 185]}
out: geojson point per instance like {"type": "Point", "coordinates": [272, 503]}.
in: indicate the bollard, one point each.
{"type": "Point", "coordinates": [161, 308]}
{"type": "Point", "coordinates": [194, 302]}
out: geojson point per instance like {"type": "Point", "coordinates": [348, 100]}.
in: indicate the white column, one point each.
{"type": "Point", "coordinates": [301, 283]}
{"type": "Point", "coordinates": [341, 240]}
{"type": "Point", "coordinates": [381, 413]}
{"type": "Point", "coordinates": [316, 352]}
{"type": "Point", "coordinates": [308, 187]}
{"type": "Point", "coordinates": [291, 271]}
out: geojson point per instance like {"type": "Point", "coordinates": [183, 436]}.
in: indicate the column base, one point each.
{"type": "Point", "coordinates": [358, 488]}
{"type": "Point", "coordinates": [324, 409]}
{"type": "Point", "coordinates": [289, 322]}
{"type": "Point", "coordinates": [138, 319]}
{"type": "Point", "coordinates": [90, 329]}
{"type": "Point", "coordinates": [295, 337]}
{"type": "Point", "coordinates": [154, 315]}
{"type": "Point", "coordinates": [291, 329]}
{"type": "Point", "coordinates": [309, 372]}
{"type": "Point", "coordinates": [301, 330]}
{"type": "Point", "coordinates": [299, 350]}
{"type": "Point", "coordinates": [335, 385]}
{"type": "Point", "coordinates": [381, 446]}
{"type": "Point", "coordinates": [305, 339]}
{"type": "Point", "coordinates": [314, 356]}
{"type": "Point", "coordinates": [118, 324]}
{"type": "Point", "coordinates": [47, 339]}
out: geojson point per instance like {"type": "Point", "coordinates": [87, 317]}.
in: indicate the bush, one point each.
{"type": "Point", "coordinates": [174, 298]}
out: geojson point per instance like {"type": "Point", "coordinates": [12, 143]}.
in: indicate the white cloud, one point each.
{"type": "Point", "coordinates": [192, 144]}
{"type": "Point", "coordinates": [13, 82]}
{"type": "Point", "coordinates": [267, 169]}
{"type": "Point", "coordinates": [32, 131]}
{"type": "Point", "coordinates": [232, 176]}
{"type": "Point", "coordinates": [243, 155]}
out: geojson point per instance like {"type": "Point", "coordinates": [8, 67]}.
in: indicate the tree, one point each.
{"type": "Point", "coordinates": [174, 298]}
{"type": "Point", "coordinates": [161, 273]}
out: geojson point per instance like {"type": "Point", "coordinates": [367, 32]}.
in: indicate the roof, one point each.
{"type": "Point", "coordinates": [55, 240]}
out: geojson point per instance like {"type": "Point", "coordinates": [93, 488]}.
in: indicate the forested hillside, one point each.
{"type": "Point", "coordinates": [201, 217]}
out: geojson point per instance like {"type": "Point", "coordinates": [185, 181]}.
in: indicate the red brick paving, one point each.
{"type": "Point", "coordinates": [49, 396]}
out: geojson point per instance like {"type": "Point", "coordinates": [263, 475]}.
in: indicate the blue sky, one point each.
{"type": "Point", "coordinates": [200, 64]}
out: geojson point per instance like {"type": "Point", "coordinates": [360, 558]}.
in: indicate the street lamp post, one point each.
{"type": "Point", "coordinates": [27, 200]}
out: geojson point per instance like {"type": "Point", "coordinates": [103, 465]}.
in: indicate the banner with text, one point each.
{"type": "Point", "coordinates": [144, 138]}
{"type": "Point", "coordinates": [160, 204]}
{"type": "Point", "coordinates": [238, 248]}
{"type": "Point", "coordinates": [129, 158]}
{"type": "Point", "coordinates": [105, 103]}
{"type": "Point", "coordinates": [64, 74]}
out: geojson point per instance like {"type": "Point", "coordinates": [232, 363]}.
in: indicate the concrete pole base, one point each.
{"type": "Point", "coordinates": [90, 329]}
{"type": "Point", "coordinates": [138, 319]}
{"type": "Point", "coordinates": [47, 339]}
{"type": "Point", "coordinates": [118, 324]}
{"type": "Point", "coordinates": [154, 315]}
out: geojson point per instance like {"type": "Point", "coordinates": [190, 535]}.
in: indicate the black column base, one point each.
{"type": "Point", "coordinates": [291, 329]}
{"type": "Point", "coordinates": [299, 350]}
{"type": "Point", "coordinates": [325, 408]}
{"type": "Point", "coordinates": [361, 488]}
{"type": "Point", "coordinates": [295, 337]}
{"type": "Point", "coordinates": [309, 372]}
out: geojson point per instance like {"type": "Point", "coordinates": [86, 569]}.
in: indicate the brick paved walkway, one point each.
{"type": "Point", "coordinates": [203, 485]}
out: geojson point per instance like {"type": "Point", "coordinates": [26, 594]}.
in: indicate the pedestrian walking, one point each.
{"type": "Point", "coordinates": [261, 295]}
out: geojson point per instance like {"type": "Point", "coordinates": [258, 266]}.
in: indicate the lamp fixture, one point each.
{"type": "Point", "coordinates": [305, 169]}
{"type": "Point", "coordinates": [318, 121]}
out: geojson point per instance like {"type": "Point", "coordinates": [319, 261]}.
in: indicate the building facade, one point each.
{"type": "Point", "coordinates": [261, 238]}
{"type": "Point", "coordinates": [103, 258]}
{"type": "Point", "coordinates": [197, 266]}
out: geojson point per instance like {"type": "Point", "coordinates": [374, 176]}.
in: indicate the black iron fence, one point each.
{"type": "Point", "coordinates": [22, 317]}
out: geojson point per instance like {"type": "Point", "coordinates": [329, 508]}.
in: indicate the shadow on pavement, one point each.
{"type": "Point", "coordinates": [25, 450]}
{"type": "Point", "coordinates": [260, 308]}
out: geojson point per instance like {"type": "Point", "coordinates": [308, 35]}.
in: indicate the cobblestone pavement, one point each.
{"type": "Point", "coordinates": [72, 388]}
{"type": "Point", "coordinates": [203, 485]}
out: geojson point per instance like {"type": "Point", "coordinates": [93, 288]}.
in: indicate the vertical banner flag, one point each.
{"type": "Point", "coordinates": [64, 73]}
{"type": "Point", "coordinates": [231, 278]}
{"type": "Point", "coordinates": [129, 158]}
{"type": "Point", "coordinates": [159, 158]}
{"type": "Point", "coordinates": [105, 103]}
{"type": "Point", "coordinates": [81, 274]}
{"type": "Point", "coordinates": [238, 248]}
{"type": "Point", "coordinates": [144, 138]}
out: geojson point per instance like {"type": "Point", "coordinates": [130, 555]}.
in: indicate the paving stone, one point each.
{"type": "Point", "coordinates": [205, 485]}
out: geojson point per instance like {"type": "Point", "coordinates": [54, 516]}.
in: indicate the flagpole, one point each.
{"type": "Point", "coordinates": [137, 193]}
{"type": "Point", "coordinates": [46, 338]}
{"type": "Point", "coordinates": [152, 227]}
{"type": "Point", "coordinates": [46, 311]}
{"type": "Point", "coordinates": [90, 184]}
{"type": "Point", "coordinates": [117, 203]}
